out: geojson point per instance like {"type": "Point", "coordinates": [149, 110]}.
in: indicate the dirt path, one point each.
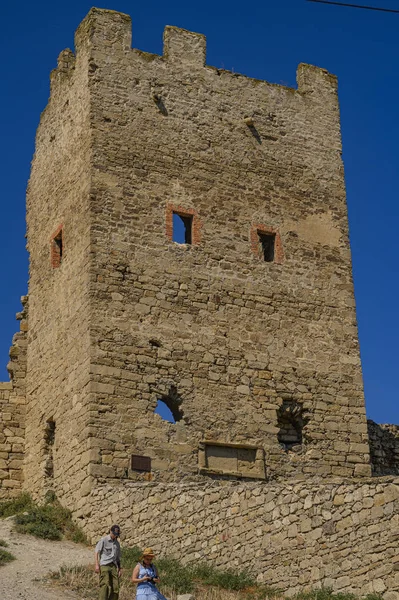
{"type": "Point", "coordinates": [35, 558]}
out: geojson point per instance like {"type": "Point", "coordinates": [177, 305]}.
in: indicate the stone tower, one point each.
{"type": "Point", "coordinates": [246, 331]}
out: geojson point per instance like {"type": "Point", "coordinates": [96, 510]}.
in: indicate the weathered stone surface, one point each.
{"type": "Point", "coordinates": [247, 330]}
{"type": "Point", "coordinates": [225, 526]}
{"type": "Point", "coordinates": [127, 316]}
{"type": "Point", "coordinates": [12, 413]}
{"type": "Point", "coordinates": [384, 448]}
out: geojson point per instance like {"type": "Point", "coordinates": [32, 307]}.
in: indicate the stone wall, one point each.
{"type": "Point", "coordinates": [294, 536]}
{"type": "Point", "coordinates": [238, 342]}
{"type": "Point", "coordinates": [58, 241]}
{"type": "Point", "coordinates": [384, 448]}
{"type": "Point", "coordinates": [12, 412]}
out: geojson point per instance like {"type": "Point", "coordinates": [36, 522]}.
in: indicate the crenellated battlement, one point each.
{"type": "Point", "coordinates": [110, 33]}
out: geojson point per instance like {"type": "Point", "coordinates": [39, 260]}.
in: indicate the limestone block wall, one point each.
{"type": "Point", "coordinates": [7, 434]}
{"type": "Point", "coordinates": [122, 316]}
{"type": "Point", "coordinates": [12, 412]}
{"type": "Point", "coordinates": [292, 536]}
{"type": "Point", "coordinates": [235, 339]}
{"type": "Point", "coordinates": [59, 248]}
{"type": "Point", "coordinates": [384, 448]}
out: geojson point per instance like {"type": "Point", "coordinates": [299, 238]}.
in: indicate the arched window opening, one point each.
{"type": "Point", "coordinates": [163, 410]}
{"type": "Point", "coordinates": [169, 406]}
{"type": "Point", "coordinates": [291, 421]}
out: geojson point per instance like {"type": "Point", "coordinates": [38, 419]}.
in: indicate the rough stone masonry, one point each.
{"type": "Point", "coordinates": [243, 326]}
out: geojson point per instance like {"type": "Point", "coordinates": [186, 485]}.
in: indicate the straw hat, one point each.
{"type": "Point", "coordinates": [148, 553]}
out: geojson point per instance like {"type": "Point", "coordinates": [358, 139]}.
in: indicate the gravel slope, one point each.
{"type": "Point", "coordinates": [19, 580]}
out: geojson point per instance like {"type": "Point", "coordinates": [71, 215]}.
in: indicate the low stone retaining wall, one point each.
{"type": "Point", "coordinates": [295, 536]}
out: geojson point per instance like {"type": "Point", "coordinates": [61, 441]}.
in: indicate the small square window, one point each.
{"type": "Point", "coordinates": [182, 228]}
{"type": "Point", "coordinates": [267, 243]}
{"type": "Point", "coordinates": [57, 248]}
{"type": "Point", "coordinates": [183, 225]}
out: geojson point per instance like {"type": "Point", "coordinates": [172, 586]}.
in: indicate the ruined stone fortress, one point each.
{"type": "Point", "coordinates": [246, 331]}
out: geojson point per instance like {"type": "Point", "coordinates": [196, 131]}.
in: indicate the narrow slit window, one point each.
{"type": "Point", "coordinates": [57, 249]}
{"type": "Point", "coordinates": [58, 244]}
{"type": "Point", "coordinates": [49, 440]}
{"type": "Point", "coordinates": [182, 228]}
{"type": "Point", "coordinates": [266, 245]}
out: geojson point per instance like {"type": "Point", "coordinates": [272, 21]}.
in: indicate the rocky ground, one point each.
{"type": "Point", "coordinates": [24, 578]}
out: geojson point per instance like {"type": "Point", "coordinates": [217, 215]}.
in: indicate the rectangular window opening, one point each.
{"type": "Point", "coordinates": [267, 244]}
{"type": "Point", "coordinates": [182, 228]}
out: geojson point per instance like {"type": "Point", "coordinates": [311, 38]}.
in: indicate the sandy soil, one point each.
{"type": "Point", "coordinates": [22, 579]}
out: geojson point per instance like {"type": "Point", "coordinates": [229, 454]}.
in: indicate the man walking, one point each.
{"type": "Point", "coordinates": [108, 564]}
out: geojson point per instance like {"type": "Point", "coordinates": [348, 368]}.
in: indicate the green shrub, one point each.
{"type": "Point", "coordinates": [175, 576]}
{"type": "Point", "coordinates": [182, 579]}
{"type": "Point", "coordinates": [77, 535]}
{"type": "Point", "coordinates": [3, 543]}
{"type": "Point", "coordinates": [5, 557]}
{"type": "Point", "coordinates": [227, 580]}
{"type": "Point", "coordinates": [49, 521]}
{"type": "Point", "coordinates": [19, 504]}
{"type": "Point", "coordinates": [38, 522]}
{"type": "Point", "coordinates": [130, 557]}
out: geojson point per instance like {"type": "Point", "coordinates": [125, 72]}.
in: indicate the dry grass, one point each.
{"type": "Point", "coordinates": [84, 581]}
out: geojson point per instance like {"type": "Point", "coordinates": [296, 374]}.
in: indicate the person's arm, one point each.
{"type": "Point", "coordinates": [97, 555]}
{"type": "Point", "coordinates": [118, 561]}
{"type": "Point", "coordinates": [135, 575]}
{"type": "Point", "coordinates": [156, 578]}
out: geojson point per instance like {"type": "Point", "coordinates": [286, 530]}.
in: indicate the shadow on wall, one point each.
{"type": "Point", "coordinates": [384, 448]}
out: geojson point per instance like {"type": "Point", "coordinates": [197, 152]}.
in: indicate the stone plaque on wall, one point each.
{"type": "Point", "coordinates": [140, 463]}
{"type": "Point", "coordinates": [237, 460]}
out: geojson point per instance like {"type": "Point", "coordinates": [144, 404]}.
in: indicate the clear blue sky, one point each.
{"type": "Point", "coordinates": [265, 40]}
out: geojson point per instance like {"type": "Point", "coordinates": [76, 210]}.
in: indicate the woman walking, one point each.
{"type": "Point", "coordinates": [145, 574]}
